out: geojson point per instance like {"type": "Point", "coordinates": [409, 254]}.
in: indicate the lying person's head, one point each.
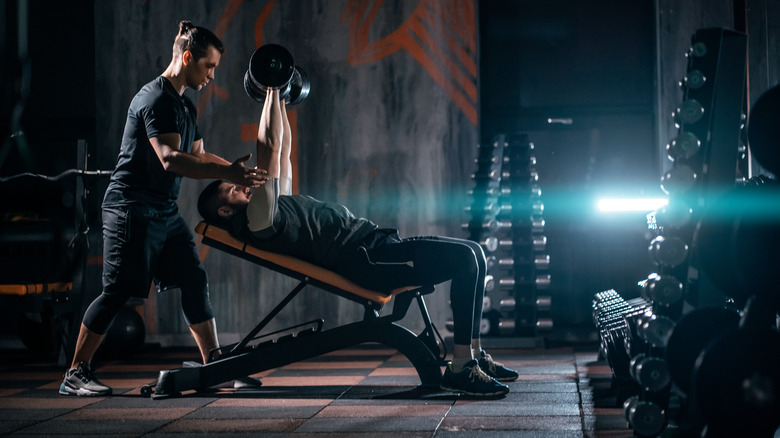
{"type": "Point", "coordinates": [220, 201]}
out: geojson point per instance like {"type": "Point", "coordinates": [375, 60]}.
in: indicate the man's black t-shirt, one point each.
{"type": "Point", "coordinates": [139, 177]}
{"type": "Point", "coordinates": [309, 229]}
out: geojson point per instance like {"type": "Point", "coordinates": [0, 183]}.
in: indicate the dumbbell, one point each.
{"type": "Point", "coordinates": [272, 67]}
{"type": "Point", "coordinates": [662, 290]}
{"type": "Point", "coordinates": [652, 373]}
{"type": "Point", "coordinates": [646, 418]}
{"type": "Point", "coordinates": [656, 330]}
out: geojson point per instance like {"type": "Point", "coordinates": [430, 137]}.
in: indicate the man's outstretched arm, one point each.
{"type": "Point", "coordinates": [262, 206]}
{"type": "Point", "coordinates": [269, 135]}
{"type": "Point", "coordinates": [198, 164]}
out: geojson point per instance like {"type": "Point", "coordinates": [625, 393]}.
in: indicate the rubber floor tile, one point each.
{"type": "Point", "coordinates": [384, 411]}
{"type": "Point", "coordinates": [32, 415]}
{"type": "Point", "coordinates": [127, 414]}
{"type": "Point", "coordinates": [272, 402]}
{"type": "Point", "coordinates": [508, 434]}
{"type": "Point", "coordinates": [512, 423]}
{"type": "Point", "coordinates": [250, 412]}
{"type": "Point", "coordinates": [362, 392]}
{"type": "Point", "coordinates": [411, 380]}
{"type": "Point", "coordinates": [253, 426]}
{"type": "Point", "coordinates": [393, 371]}
{"type": "Point", "coordinates": [532, 386]}
{"type": "Point", "coordinates": [16, 384]}
{"type": "Point", "coordinates": [514, 409]}
{"type": "Point", "coordinates": [99, 428]}
{"type": "Point", "coordinates": [7, 427]}
{"type": "Point", "coordinates": [542, 398]}
{"type": "Point", "coordinates": [370, 424]}
{"type": "Point", "coordinates": [120, 402]}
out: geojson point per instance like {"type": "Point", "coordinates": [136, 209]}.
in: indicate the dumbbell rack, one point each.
{"type": "Point", "coordinates": [635, 334]}
{"type": "Point", "coordinates": [506, 217]}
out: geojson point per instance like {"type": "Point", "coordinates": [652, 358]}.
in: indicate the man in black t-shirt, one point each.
{"type": "Point", "coordinates": [328, 234]}
{"type": "Point", "coordinates": [144, 236]}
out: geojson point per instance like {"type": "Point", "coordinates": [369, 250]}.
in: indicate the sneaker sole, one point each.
{"type": "Point", "coordinates": [505, 379]}
{"type": "Point", "coordinates": [64, 390]}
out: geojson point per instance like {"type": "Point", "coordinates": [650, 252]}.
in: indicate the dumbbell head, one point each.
{"type": "Point", "coordinates": [647, 418]}
{"type": "Point", "coordinates": [652, 373]}
{"type": "Point", "coordinates": [663, 290]}
{"type": "Point", "coordinates": [298, 87]}
{"type": "Point", "coordinates": [270, 67]}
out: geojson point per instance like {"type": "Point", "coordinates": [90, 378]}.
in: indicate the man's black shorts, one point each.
{"type": "Point", "coordinates": [141, 244]}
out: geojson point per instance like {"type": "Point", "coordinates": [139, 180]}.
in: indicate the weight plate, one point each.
{"type": "Point", "coordinates": [271, 66]}
{"type": "Point", "coordinates": [737, 383]}
{"type": "Point", "coordinates": [691, 335]}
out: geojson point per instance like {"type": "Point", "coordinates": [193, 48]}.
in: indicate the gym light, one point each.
{"type": "Point", "coordinates": [630, 204]}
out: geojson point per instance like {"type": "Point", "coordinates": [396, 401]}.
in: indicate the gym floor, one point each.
{"type": "Point", "coordinates": [365, 391]}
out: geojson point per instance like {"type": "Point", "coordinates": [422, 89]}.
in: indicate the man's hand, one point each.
{"type": "Point", "coordinates": [246, 176]}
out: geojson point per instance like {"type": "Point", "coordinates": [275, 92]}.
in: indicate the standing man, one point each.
{"type": "Point", "coordinates": [144, 236]}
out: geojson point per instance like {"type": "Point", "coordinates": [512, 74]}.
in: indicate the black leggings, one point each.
{"type": "Point", "coordinates": [101, 313]}
{"type": "Point", "coordinates": [422, 261]}
{"type": "Point", "coordinates": [140, 244]}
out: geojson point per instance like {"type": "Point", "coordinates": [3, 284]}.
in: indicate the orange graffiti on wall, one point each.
{"type": "Point", "coordinates": [440, 35]}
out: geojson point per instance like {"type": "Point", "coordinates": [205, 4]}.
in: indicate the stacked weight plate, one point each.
{"type": "Point", "coordinates": [506, 218]}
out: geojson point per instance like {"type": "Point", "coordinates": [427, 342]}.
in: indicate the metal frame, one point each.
{"type": "Point", "coordinates": [256, 353]}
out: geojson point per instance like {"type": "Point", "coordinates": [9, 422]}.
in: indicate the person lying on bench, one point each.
{"type": "Point", "coordinates": [328, 234]}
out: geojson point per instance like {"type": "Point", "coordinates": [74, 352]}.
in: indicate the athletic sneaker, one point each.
{"type": "Point", "coordinates": [81, 382]}
{"type": "Point", "coordinates": [496, 370]}
{"type": "Point", "coordinates": [471, 380]}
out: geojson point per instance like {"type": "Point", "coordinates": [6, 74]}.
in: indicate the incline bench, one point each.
{"type": "Point", "coordinates": [256, 353]}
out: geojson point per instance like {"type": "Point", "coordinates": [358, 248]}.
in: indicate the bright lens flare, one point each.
{"type": "Point", "coordinates": [631, 204]}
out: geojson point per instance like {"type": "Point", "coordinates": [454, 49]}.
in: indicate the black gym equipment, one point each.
{"type": "Point", "coordinates": [737, 384]}
{"type": "Point", "coordinates": [272, 67]}
{"type": "Point", "coordinates": [692, 334]}
{"type": "Point", "coordinates": [125, 336]}
{"type": "Point", "coordinates": [764, 130]}
{"type": "Point", "coordinates": [44, 226]}
{"type": "Point", "coordinates": [259, 351]}
{"type": "Point", "coordinates": [703, 352]}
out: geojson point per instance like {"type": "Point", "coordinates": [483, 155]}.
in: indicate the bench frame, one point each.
{"type": "Point", "coordinates": [256, 353]}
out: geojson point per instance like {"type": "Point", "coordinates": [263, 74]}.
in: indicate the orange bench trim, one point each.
{"type": "Point", "coordinates": [310, 270]}
{"type": "Point", "coordinates": [31, 289]}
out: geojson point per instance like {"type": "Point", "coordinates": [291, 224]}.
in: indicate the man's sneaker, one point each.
{"type": "Point", "coordinates": [80, 381]}
{"type": "Point", "coordinates": [471, 380]}
{"type": "Point", "coordinates": [496, 370]}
